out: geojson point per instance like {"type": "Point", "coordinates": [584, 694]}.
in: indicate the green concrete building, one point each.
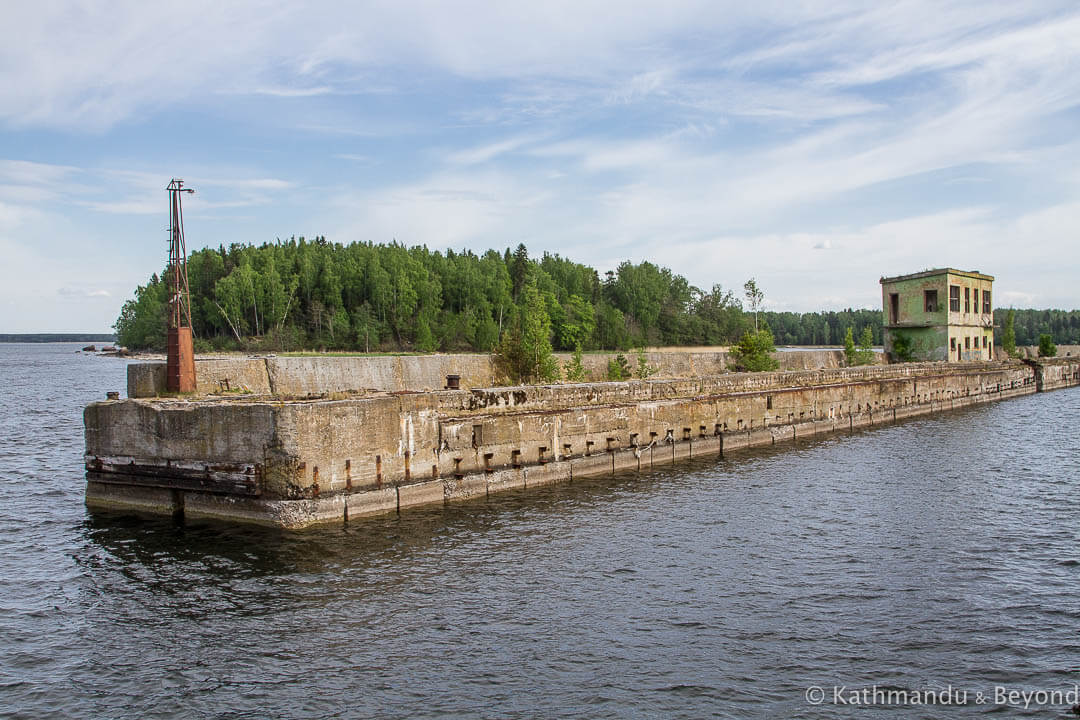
{"type": "Point", "coordinates": [943, 314]}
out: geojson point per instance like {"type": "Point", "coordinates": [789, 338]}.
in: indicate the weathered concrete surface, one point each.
{"type": "Point", "coordinates": [1055, 373]}
{"type": "Point", "coordinates": [295, 463]}
{"type": "Point", "coordinates": [213, 375]}
{"type": "Point", "coordinates": [1032, 351]}
{"type": "Point", "coordinates": [302, 376]}
{"type": "Point", "coordinates": [295, 376]}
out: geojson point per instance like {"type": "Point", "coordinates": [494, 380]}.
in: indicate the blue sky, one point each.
{"type": "Point", "coordinates": [815, 145]}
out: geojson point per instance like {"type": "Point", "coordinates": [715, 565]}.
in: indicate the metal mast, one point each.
{"type": "Point", "coordinates": [180, 365]}
{"type": "Point", "coordinates": [179, 296]}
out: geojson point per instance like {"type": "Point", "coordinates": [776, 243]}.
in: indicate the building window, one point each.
{"type": "Point", "coordinates": [952, 343]}
{"type": "Point", "coordinates": [976, 299]}
{"type": "Point", "coordinates": [954, 298]}
{"type": "Point", "coordinates": [967, 343]}
{"type": "Point", "coordinates": [967, 300]}
{"type": "Point", "coordinates": [986, 302]}
{"type": "Point", "coordinates": [930, 300]}
{"type": "Point", "coordinates": [985, 341]}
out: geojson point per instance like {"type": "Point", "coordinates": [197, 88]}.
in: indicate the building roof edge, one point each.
{"type": "Point", "coordinates": [938, 271]}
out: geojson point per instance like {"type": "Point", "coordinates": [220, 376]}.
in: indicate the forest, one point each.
{"type": "Point", "coordinates": [1062, 325]}
{"type": "Point", "coordinates": [313, 294]}
{"type": "Point", "coordinates": [300, 294]}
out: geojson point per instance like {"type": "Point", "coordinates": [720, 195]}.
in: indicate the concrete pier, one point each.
{"type": "Point", "coordinates": [291, 461]}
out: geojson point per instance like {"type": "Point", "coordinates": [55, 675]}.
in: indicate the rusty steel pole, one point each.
{"type": "Point", "coordinates": [180, 358]}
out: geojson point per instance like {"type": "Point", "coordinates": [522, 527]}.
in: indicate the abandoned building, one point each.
{"type": "Point", "coordinates": [943, 314]}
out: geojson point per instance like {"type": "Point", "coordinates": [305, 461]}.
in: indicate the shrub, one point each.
{"type": "Point", "coordinates": [1047, 348]}
{"type": "Point", "coordinates": [849, 346]}
{"type": "Point", "coordinates": [618, 368]}
{"type": "Point", "coordinates": [754, 351]}
{"type": "Point", "coordinates": [865, 354]}
{"type": "Point", "coordinates": [575, 370]}
{"type": "Point", "coordinates": [902, 347]}
{"type": "Point", "coordinates": [644, 370]}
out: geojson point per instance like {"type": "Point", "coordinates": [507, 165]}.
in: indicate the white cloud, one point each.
{"type": "Point", "coordinates": [446, 210]}
{"type": "Point", "coordinates": [126, 207]}
{"type": "Point", "coordinates": [487, 153]}
{"type": "Point", "coordinates": [364, 159]}
{"type": "Point", "coordinates": [722, 139]}
{"type": "Point", "coordinates": [82, 293]}
{"type": "Point", "coordinates": [287, 92]}
{"type": "Point", "coordinates": [102, 63]}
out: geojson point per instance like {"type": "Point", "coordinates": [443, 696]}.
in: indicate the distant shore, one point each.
{"type": "Point", "coordinates": [57, 337]}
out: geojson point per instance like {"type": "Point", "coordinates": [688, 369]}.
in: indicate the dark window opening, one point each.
{"type": "Point", "coordinates": [967, 300]}
{"type": "Point", "coordinates": [986, 302]}
{"type": "Point", "coordinates": [930, 300]}
{"type": "Point", "coordinates": [954, 298]}
{"type": "Point", "coordinates": [894, 308]}
{"type": "Point", "coordinates": [967, 343]}
{"type": "Point", "coordinates": [952, 343]}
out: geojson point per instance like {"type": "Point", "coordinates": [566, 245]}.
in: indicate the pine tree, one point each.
{"type": "Point", "coordinates": [849, 347]}
{"type": "Point", "coordinates": [1008, 334]}
{"type": "Point", "coordinates": [865, 354]}
{"type": "Point", "coordinates": [754, 353]}
{"type": "Point", "coordinates": [1047, 348]}
{"type": "Point", "coordinates": [574, 368]}
{"type": "Point", "coordinates": [644, 370]}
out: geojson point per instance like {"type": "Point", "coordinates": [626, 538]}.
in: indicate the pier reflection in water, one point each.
{"type": "Point", "coordinates": [936, 551]}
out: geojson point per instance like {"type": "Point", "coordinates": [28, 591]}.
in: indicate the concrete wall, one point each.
{"type": "Point", "coordinates": [297, 462]}
{"type": "Point", "coordinates": [1057, 372]}
{"type": "Point", "coordinates": [301, 376]}
{"type": "Point", "coordinates": [213, 375]}
{"type": "Point", "coordinates": [295, 376]}
{"type": "Point", "coordinates": [1032, 351]}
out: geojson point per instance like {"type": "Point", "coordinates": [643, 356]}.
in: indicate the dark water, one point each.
{"type": "Point", "coordinates": [932, 553]}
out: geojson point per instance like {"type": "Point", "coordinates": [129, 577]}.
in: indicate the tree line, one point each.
{"type": "Point", "coordinates": [298, 294]}
{"type": "Point", "coordinates": [828, 328]}
{"type": "Point", "coordinates": [313, 294]}
{"type": "Point", "coordinates": [823, 328]}
{"type": "Point", "coordinates": [1063, 326]}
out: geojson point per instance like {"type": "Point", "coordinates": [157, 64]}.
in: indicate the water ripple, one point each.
{"type": "Point", "coordinates": [935, 552]}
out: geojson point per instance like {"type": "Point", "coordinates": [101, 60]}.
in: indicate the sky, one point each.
{"type": "Point", "coordinates": [815, 146]}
